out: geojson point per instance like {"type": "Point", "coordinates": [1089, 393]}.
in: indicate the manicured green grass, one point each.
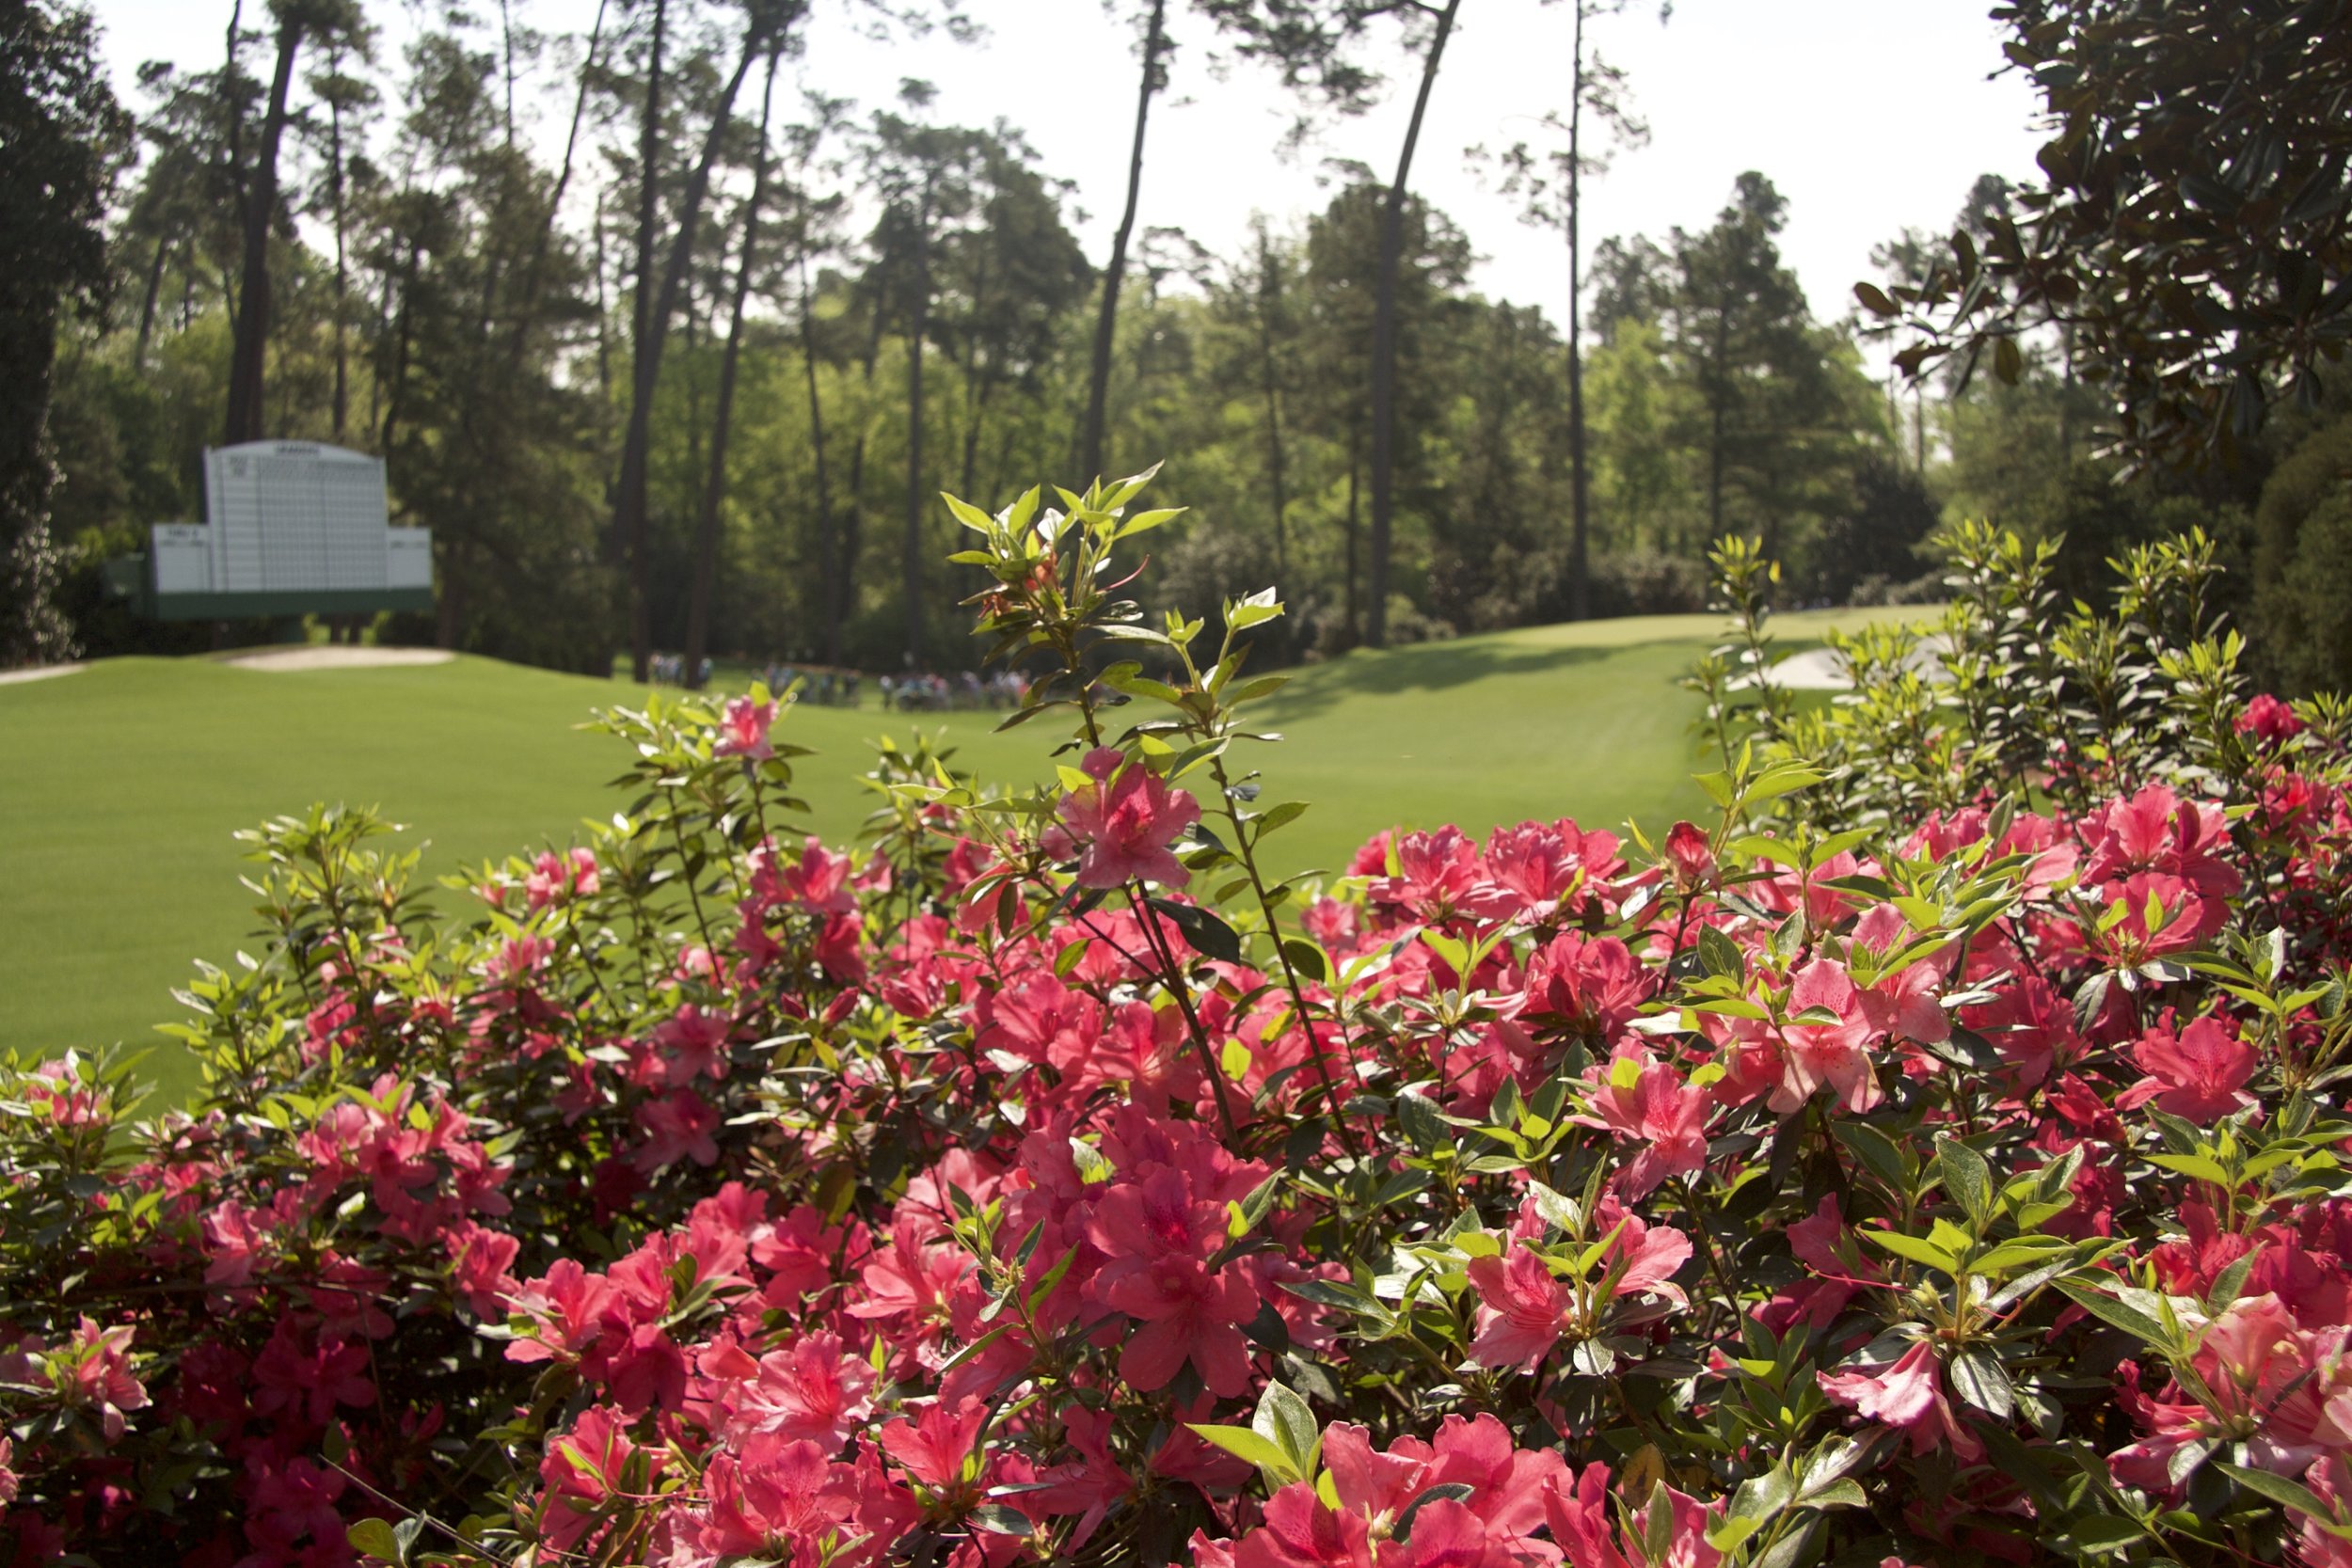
{"type": "Point", "coordinates": [120, 785]}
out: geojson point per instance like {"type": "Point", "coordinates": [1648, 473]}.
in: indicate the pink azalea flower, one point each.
{"type": "Point", "coordinates": [1187, 1313]}
{"type": "Point", "coordinates": [307, 1376]}
{"type": "Point", "coordinates": [1907, 1004]}
{"type": "Point", "coordinates": [1582, 1520]}
{"type": "Point", "coordinates": [1124, 825]}
{"type": "Point", "coordinates": [934, 1447]}
{"type": "Point", "coordinates": [2199, 1075]}
{"type": "Point", "coordinates": [1909, 1397]}
{"type": "Point", "coordinates": [1522, 1309]}
{"type": "Point", "coordinates": [695, 1042]}
{"type": "Point", "coordinates": [1435, 872]}
{"type": "Point", "coordinates": [1689, 853]}
{"type": "Point", "coordinates": [744, 730]}
{"type": "Point", "coordinates": [1594, 983]}
{"type": "Point", "coordinates": [1528, 870]}
{"type": "Point", "coordinates": [2269, 721]}
{"type": "Point", "coordinates": [92, 1372]}
{"type": "Point", "coordinates": [772, 1491]}
{"type": "Point", "coordinates": [1663, 1117]}
{"type": "Point", "coordinates": [814, 1391]}
{"type": "Point", "coordinates": [1827, 1055]}
{"type": "Point", "coordinates": [582, 1470]}
{"type": "Point", "coordinates": [566, 1308]}
{"type": "Point", "coordinates": [677, 1126]}
{"type": "Point", "coordinates": [479, 1259]}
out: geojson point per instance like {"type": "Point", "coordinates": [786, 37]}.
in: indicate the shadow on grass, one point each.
{"type": "Point", "coordinates": [1431, 667]}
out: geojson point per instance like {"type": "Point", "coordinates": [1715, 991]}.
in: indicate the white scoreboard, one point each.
{"type": "Point", "coordinates": [289, 527]}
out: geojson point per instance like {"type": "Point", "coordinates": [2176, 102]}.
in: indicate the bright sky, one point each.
{"type": "Point", "coordinates": [1869, 115]}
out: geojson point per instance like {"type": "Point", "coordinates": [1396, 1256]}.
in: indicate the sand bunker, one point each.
{"type": "Point", "coordinates": [1820, 669]}
{"type": "Point", "coordinates": [329, 656]}
{"type": "Point", "coordinates": [39, 673]}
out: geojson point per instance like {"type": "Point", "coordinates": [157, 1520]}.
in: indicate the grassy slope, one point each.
{"type": "Point", "coordinates": [120, 787]}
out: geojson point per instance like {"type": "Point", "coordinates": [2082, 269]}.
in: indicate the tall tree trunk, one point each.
{"type": "Point", "coordinates": [715, 484]}
{"type": "Point", "coordinates": [649, 239]}
{"type": "Point", "coordinates": [828, 562]}
{"type": "Point", "coordinates": [506, 41]}
{"type": "Point", "coordinates": [974, 400]}
{"type": "Point", "coordinates": [1106, 321]}
{"type": "Point", "coordinates": [147, 304]}
{"type": "Point", "coordinates": [2066, 401]}
{"type": "Point", "coordinates": [1383, 343]}
{"type": "Point", "coordinates": [910, 558]}
{"type": "Point", "coordinates": [249, 351]}
{"type": "Point", "coordinates": [343, 276]}
{"type": "Point", "coordinates": [1580, 560]}
{"type": "Point", "coordinates": [1269, 294]}
{"type": "Point", "coordinates": [1355, 461]}
{"type": "Point", "coordinates": [1718, 396]}
{"type": "Point", "coordinates": [631, 517]}
{"type": "Point", "coordinates": [853, 519]}
{"type": "Point", "coordinates": [604, 312]}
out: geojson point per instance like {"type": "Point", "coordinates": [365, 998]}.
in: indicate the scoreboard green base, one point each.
{"type": "Point", "coordinates": [127, 576]}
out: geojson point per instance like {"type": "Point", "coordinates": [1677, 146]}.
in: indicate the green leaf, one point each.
{"type": "Point", "coordinates": [1452, 1491]}
{"type": "Point", "coordinates": [1247, 1444]}
{"type": "Point", "coordinates": [1878, 1151]}
{"type": "Point", "coordinates": [1727, 1536]}
{"type": "Point", "coordinates": [1423, 1122]}
{"type": "Point", "coordinates": [972, 517]}
{"type": "Point", "coordinates": [2279, 1489]}
{"type": "Point", "coordinates": [1874, 300]}
{"type": "Point", "coordinates": [1284, 1419]}
{"type": "Point", "coordinates": [373, 1538]}
{"type": "Point", "coordinates": [2197, 1167]}
{"type": "Point", "coordinates": [2103, 1532]}
{"type": "Point", "coordinates": [998, 1519]}
{"type": "Point", "coordinates": [1916, 1249]}
{"type": "Point", "coordinates": [1784, 780]}
{"type": "Point", "coordinates": [1965, 1176]}
{"type": "Point", "coordinates": [2230, 1282]}
{"type": "Point", "coordinates": [1203, 930]}
{"type": "Point", "coordinates": [1980, 1378]}
{"type": "Point", "coordinates": [2025, 1250]}
{"type": "Point", "coordinates": [1143, 522]}
{"type": "Point", "coordinates": [2108, 1309]}
{"type": "Point", "coordinates": [1760, 1497]}
{"type": "Point", "coordinates": [1720, 955]}
{"type": "Point", "coordinates": [1306, 958]}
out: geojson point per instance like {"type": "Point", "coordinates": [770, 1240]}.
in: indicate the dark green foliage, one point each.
{"type": "Point", "coordinates": [61, 138]}
{"type": "Point", "coordinates": [2303, 561]}
{"type": "Point", "coordinates": [1876, 539]}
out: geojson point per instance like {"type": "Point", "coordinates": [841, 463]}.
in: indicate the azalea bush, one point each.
{"type": "Point", "coordinates": [1930, 1156]}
